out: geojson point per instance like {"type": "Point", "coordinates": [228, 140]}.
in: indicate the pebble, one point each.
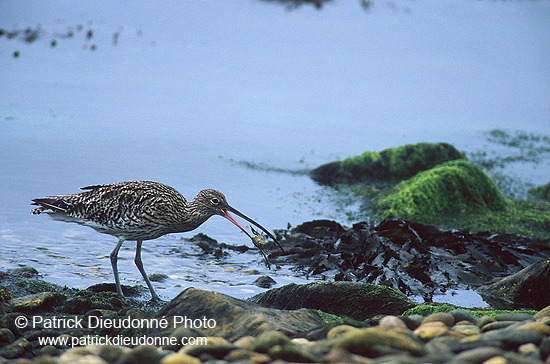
{"type": "Point", "coordinates": [456, 337]}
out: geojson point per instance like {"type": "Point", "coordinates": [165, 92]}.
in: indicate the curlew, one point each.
{"type": "Point", "coordinates": [141, 210]}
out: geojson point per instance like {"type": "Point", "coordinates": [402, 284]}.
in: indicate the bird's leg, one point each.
{"type": "Point", "coordinates": [114, 258]}
{"type": "Point", "coordinates": [139, 265]}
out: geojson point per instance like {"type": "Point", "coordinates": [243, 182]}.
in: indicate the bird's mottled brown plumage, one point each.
{"type": "Point", "coordinates": [139, 210]}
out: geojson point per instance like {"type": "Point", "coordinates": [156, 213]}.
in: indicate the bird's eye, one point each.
{"type": "Point", "coordinates": [215, 201]}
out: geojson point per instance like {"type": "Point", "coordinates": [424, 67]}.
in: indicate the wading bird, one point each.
{"type": "Point", "coordinates": [141, 210]}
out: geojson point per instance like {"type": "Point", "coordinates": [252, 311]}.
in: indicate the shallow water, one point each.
{"type": "Point", "coordinates": [191, 86]}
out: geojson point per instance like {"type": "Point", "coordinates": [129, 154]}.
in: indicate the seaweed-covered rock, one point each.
{"type": "Point", "coordinates": [390, 164]}
{"type": "Point", "coordinates": [356, 300]}
{"type": "Point", "coordinates": [542, 192]}
{"type": "Point", "coordinates": [452, 188]}
{"type": "Point", "coordinates": [527, 288]}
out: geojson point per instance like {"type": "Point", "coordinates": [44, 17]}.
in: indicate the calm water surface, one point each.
{"type": "Point", "coordinates": [189, 86]}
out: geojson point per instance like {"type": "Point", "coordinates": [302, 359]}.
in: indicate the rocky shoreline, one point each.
{"type": "Point", "coordinates": [328, 322]}
{"type": "Point", "coordinates": [201, 326]}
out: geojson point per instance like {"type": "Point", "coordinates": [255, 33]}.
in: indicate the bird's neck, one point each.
{"type": "Point", "coordinates": [191, 218]}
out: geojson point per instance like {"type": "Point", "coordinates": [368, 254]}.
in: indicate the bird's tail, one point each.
{"type": "Point", "coordinates": [49, 203]}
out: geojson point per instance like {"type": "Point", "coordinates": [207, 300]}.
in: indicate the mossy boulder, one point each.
{"type": "Point", "coordinates": [455, 187]}
{"type": "Point", "coordinates": [389, 164]}
{"type": "Point", "coordinates": [542, 192]}
{"type": "Point", "coordinates": [356, 300]}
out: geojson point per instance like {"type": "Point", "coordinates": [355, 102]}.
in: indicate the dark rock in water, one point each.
{"type": "Point", "coordinates": [264, 282]}
{"type": "Point", "coordinates": [413, 258]}
{"type": "Point", "coordinates": [217, 314]}
{"type": "Point", "coordinates": [129, 291]}
{"type": "Point", "coordinates": [356, 300]}
{"type": "Point", "coordinates": [527, 288]}
{"type": "Point", "coordinates": [390, 164]}
{"type": "Point", "coordinates": [158, 277]}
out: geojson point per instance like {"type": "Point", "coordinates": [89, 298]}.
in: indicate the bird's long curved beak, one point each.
{"type": "Point", "coordinates": [228, 216]}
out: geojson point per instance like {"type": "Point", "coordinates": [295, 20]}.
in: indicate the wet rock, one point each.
{"type": "Point", "coordinates": [17, 349]}
{"type": "Point", "coordinates": [233, 318]}
{"type": "Point", "coordinates": [39, 302]}
{"type": "Point", "coordinates": [141, 354]}
{"type": "Point", "coordinates": [545, 312]}
{"type": "Point", "coordinates": [129, 291]}
{"type": "Point", "coordinates": [444, 317]}
{"type": "Point", "coordinates": [6, 336]}
{"type": "Point", "coordinates": [264, 282]}
{"type": "Point", "coordinates": [181, 333]}
{"type": "Point", "coordinates": [356, 300]}
{"type": "Point", "coordinates": [158, 277]}
{"type": "Point", "coordinates": [478, 355]}
{"type": "Point", "coordinates": [390, 164]}
{"type": "Point", "coordinates": [179, 358]}
{"type": "Point", "coordinates": [292, 353]}
{"type": "Point", "coordinates": [431, 329]}
{"type": "Point", "coordinates": [269, 339]}
{"type": "Point", "coordinates": [372, 341]}
{"type": "Point", "coordinates": [217, 351]}
{"type": "Point", "coordinates": [527, 288]}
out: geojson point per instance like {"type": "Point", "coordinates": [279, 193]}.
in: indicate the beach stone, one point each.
{"type": "Point", "coordinates": [392, 323]}
{"type": "Point", "coordinates": [461, 315]}
{"type": "Point", "coordinates": [269, 339]}
{"type": "Point", "coordinates": [80, 355]}
{"type": "Point", "coordinates": [16, 349]}
{"type": "Point", "coordinates": [217, 351]}
{"type": "Point", "coordinates": [6, 336]}
{"type": "Point", "coordinates": [232, 318]}
{"type": "Point", "coordinates": [183, 332]}
{"type": "Point", "coordinates": [497, 325]}
{"type": "Point", "coordinates": [530, 350]}
{"type": "Point", "coordinates": [431, 329]}
{"type": "Point", "coordinates": [496, 360]}
{"type": "Point", "coordinates": [513, 316]}
{"type": "Point", "coordinates": [112, 353]}
{"type": "Point", "coordinates": [513, 337]}
{"type": "Point", "coordinates": [466, 330]}
{"type": "Point", "coordinates": [362, 341]}
{"type": "Point", "coordinates": [444, 317]}
{"type": "Point", "coordinates": [179, 358]}
{"type": "Point", "coordinates": [340, 330]}
{"type": "Point", "coordinates": [484, 320]}
{"type": "Point", "coordinates": [537, 327]}
{"type": "Point", "coordinates": [141, 354]}
{"type": "Point", "coordinates": [477, 355]}
{"type": "Point", "coordinates": [38, 302]}
{"type": "Point", "coordinates": [245, 342]}
{"type": "Point", "coordinates": [545, 312]}
{"type": "Point", "coordinates": [292, 353]}
{"type": "Point", "coordinates": [48, 350]}
{"type": "Point", "coordinates": [247, 356]}
{"type": "Point", "coordinates": [44, 359]}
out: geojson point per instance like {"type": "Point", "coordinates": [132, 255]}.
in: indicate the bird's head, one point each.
{"type": "Point", "coordinates": [213, 202]}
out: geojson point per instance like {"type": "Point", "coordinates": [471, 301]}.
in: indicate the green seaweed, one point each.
{"type": "Point", "coordinates": [455, 187]}
{"type": "Point", "coordinates": [427, 309]}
